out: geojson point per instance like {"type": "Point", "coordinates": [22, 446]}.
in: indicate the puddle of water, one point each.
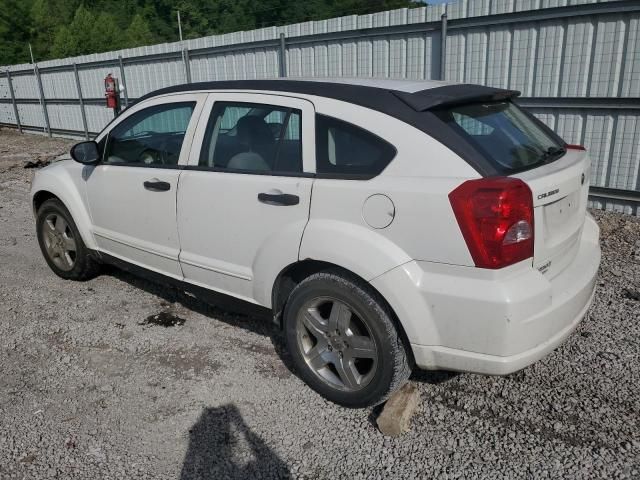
{"type": "Point", "coordinates": [164, 319]}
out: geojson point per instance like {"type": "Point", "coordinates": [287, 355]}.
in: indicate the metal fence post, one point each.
{"type": "Point", "coordinates": [123, 79]}
{"type": "Point", "coordinates": [443, 45]}
{"type": "Point", "coordinates": [82, 108]}
{"type": "Point", "coordinates": [42, 99]}
{"type": "Point", "coordinates": [187, 63]}
{"type": "Point", "coordinates": [13, 100]}
{"type": "Point", "coordinates": [283, 56]}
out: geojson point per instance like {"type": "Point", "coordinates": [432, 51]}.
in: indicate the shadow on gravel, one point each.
{"type": "Point", "coordinates": [256, 320]}
{"type": "Point", "coordinates": [221, 445]}
{"type": "Point", "coordinates": [239, 315]}
{"type": "Point", "coordinates": [433, 377]}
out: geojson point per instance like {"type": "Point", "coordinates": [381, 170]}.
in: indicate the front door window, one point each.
{"type": "Point", "coordinates": [151, 137]}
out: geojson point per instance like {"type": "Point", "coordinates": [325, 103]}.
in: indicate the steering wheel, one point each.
{"type": "Point", "coordinates": [151, 156]}
{"type": "Point", "coordinates": [157, 156]}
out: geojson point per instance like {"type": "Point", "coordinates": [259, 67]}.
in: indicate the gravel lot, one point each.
{"type": "Point", "coordinates": [89, 389]}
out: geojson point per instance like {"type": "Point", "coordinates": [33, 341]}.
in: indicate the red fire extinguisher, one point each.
{"type": "Point", "coordinates": [112, 94]}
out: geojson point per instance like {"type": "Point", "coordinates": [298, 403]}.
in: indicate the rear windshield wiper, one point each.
{"type": "Point", "coordinates": [553, 153]}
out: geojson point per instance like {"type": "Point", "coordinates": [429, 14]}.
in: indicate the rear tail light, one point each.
{"type": "Point", "coordinates": [575, 147]}
{"type": "Point", "coordinates": [495, 216]}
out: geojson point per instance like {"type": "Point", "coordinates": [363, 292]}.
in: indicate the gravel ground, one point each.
{"type": "Point", "coordinates": [89, 389]}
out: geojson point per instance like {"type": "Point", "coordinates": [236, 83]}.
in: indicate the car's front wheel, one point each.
{"type": "Point", "coordinates": [61, 243]}
{"type": "Point", "coordinates": [343, 340]}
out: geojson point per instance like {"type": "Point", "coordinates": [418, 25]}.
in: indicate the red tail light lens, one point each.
{"type": "Point", "coordinates": [495, 216]}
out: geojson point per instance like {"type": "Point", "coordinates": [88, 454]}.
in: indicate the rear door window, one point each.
{"type": "Point", "coordinates": [504, 134]}
{"type": "Point", "coordinates": [253, 138]}
{"type": "Point", "coordinates": [343, 149]}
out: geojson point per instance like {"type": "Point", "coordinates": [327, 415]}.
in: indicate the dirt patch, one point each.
{"type": "Point", "coordinates": [164, 319]}
{"type": "Point", "coordinates": [17, 150]}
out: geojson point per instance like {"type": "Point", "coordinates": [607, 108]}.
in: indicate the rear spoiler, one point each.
{"type": "Point", "coordinates": [451, 95]}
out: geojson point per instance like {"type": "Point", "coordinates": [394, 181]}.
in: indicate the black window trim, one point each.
{"type": "Point", "coordinates": [352, 176]}
{"type": "Point", "coordinates": [107, 138]}
{"type": "Point", "coordinates": [303, 174]}
{"type": "Point", "coordinates": [274, 173]}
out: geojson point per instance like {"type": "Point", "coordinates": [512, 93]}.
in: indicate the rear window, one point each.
{"type": "Point", "coordinates": [504, 134]}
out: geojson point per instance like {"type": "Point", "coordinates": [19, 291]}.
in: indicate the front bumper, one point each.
{"type": "Point", "coordinates": [491, 322]}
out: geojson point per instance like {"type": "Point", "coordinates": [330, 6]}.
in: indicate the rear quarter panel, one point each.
{"type": "Point", "coordinates": [417, 181]}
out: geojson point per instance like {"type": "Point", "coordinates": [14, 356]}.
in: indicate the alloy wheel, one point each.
{"type": "Point", "coordinates": [336, 344]}
{"type": "Point", "coordinates": [59, 241]}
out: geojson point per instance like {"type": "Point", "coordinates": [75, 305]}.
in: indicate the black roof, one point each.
{"type": "Point", "coordinates": [365, 95]}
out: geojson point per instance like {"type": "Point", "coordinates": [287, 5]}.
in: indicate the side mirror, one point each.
{"type": "Point", "coordinates": [86, 153]}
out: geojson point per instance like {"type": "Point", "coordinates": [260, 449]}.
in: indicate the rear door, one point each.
{"type": "Point", "coordinates": [243, 201]}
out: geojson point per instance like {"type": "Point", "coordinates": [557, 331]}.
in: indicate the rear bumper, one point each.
{"type": "Point", "coordinates": [491, 322]}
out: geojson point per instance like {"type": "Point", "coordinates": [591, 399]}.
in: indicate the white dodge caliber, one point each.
{"type": "Point", "coordinates": [386, 224]}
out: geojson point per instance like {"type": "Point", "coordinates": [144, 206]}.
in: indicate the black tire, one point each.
{"type": "Point", "coordinates": [83, 265]}
{"type": "Point", "coordinates": [392, 365]}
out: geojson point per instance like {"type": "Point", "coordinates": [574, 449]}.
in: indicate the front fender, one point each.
{"type": "Point", "coordinates": [65, 180]}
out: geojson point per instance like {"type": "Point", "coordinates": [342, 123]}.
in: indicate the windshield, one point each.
{"type": "Point", "coordinates": [504, 134]}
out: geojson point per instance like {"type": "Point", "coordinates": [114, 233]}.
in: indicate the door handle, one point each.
{"type": "Point", "coordinates": [279, 199]}
{"type": "Point", "coordinates": [155, 185]}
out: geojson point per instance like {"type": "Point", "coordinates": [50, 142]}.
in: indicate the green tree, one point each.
{"type": "Point", "coordinates": [15, 31]}
{"type": "Point", "coordinates": [64, 43]}
{"type": "Point", "coordinates": [139, 33]}
{"type": "Point", "coordinates": [106, 35]}
{"type": "Point", "coordinates": [47, 17]}
{"type": "Point", "coordinates": [87, 33]}
{"type": "Point", "coordinates": [61, 28]}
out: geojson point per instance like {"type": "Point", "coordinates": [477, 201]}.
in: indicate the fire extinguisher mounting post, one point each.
{"type": "Point", "coordinates": [123, 80]}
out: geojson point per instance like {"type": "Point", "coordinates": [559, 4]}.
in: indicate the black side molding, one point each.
{"type": "Point", "coordinates": [201, 294]}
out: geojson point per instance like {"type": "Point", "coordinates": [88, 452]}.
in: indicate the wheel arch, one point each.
{"type": "Point", "coordinates": [293, 274]}
{"type": "Point", "coordinates": [76, 209]}
{"type": "Point", "coordinates": [40, 197]}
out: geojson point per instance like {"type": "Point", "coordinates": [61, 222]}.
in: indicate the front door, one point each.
{"type": "Point", "coordinates": [244, 199]}
{"type": "Point", "coordinates": [132, 192]}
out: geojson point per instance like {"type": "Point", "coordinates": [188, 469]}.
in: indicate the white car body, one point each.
{"type": "Point", "coordinates": [396, 231]}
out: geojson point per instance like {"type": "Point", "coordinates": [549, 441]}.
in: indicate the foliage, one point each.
{"type": "Point", "coordinates": [62, 28]}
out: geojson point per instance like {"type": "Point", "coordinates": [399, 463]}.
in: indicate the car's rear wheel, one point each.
{"type": "Point", "coordinates": [61, 243]}
{"type": "Point", "coordinates": [343, 340]}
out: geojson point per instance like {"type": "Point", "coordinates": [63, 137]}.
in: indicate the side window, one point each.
{"type": "Point", "coordinates": [344, 149]}
{"type": "Point", "coordinates": [243, 137]}
{"type": "Point", "coordinates": [152, 136]}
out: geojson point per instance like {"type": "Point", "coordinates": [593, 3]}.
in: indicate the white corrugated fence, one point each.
{"type": "Point", "coordinates": [576, 62]}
